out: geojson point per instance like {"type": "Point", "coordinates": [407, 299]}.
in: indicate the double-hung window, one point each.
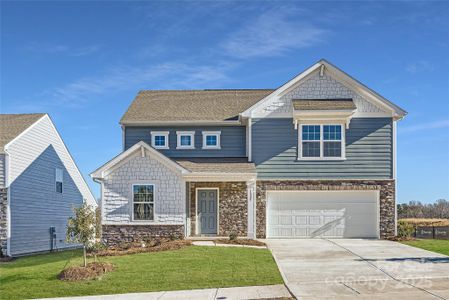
{"type": "Point", "coordinates": [159, 139]}
{"type": "Point", "coordinates": [59, 179]}
{"type": "Point", "coordinates": [143, 202]}
{"type": "Point", "coordinates": [321, 142]}
{"type": "Point", "coordinates": [211, 139]}
{"type": "Point", "coordinates": [186, 140]}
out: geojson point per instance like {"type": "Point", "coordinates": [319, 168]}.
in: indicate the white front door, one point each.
{"type": "Point", "coordinates": [332, 214]}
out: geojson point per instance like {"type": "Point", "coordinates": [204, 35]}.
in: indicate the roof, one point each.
{"type": "Point", "coordinates": [325, 66]}
{"type": "Point", "coordinates": [11, 125]}
{"type": "Point", "coordinates": [217, 165]}
{"type": "Point", "coordinates": [323, 104]}
{"type": "Point", "coordinates": [191, 105]}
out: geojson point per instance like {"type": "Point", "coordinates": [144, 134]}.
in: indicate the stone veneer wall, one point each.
{"type": "Point", "coordinates": [232, 203]}
{"type": "Point", "coordinates": [386, 188]}
{"type": "Point", "coordinates": [114, 235]}
{"type": "Point", "coordinates": [3, 219]}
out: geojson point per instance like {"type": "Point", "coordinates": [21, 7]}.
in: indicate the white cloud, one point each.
{"type": "Point", "coordinates": [419, 66]}
{"type": "Point", "coordinates": [272, 34]}
{"type": "Point", "coordinates": [168, 75]}
{"type": "Point", "coordinates": [62, 49]}
{"type": "Point", "coordinates": [425, 126]}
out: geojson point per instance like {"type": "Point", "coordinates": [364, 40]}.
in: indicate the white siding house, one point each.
{"type": "Point", "coordinates": [41, 184]}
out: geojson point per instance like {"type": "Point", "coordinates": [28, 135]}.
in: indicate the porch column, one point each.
{"type": "Point", "coordinates": [251, 192]}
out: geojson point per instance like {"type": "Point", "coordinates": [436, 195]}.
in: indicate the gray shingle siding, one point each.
{"type": "Point", "coordinates": [233, 140]}
{"type": "Point", "coordinates": [368, 151]}
{"type": "Point", "coordinates": [35, 205]}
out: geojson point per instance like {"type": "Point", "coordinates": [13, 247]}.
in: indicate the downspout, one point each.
{"type": "Point", "coordinates": [394, 142]}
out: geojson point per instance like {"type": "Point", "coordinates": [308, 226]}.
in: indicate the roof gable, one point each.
{"type": "Point", "coordinates": [344, 86]}
{"type": "Point", "coordinates": [12, 125]}
{"type": "Point", "coordinates": [108, 167]}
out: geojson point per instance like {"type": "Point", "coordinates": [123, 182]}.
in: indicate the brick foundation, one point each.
{"type": "Point", "coordinates": [386, 188]}
{"type": "Point", "coordinates": [233, 206]}
{"type": "Point", "coordinates": [3, 219]}
{"type": "Point", "coordinates": [114, 235]}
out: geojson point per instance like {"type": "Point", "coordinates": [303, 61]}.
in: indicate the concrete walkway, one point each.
{"type": "Point", "coordinates": [360, 269]}
{"type": "Point", "coordinates": [235, 293]}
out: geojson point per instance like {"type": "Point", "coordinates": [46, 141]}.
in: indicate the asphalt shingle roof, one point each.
{"type": "Point", "coordinates": [11, 125]}
{"type": "Point", "coordinates": [323, 104]}
{"type": "Point", "coordinates": [217, 165]}
{"type": "Point", "coordinates": [191, 105]}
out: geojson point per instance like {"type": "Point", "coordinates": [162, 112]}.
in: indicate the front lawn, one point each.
{"type": "Point", "coordinates": [439, 246]}
{"type": "Point", "coordinates": [193, 267]}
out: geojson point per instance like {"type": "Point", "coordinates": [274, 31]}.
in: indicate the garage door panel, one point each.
{"type": "Point", "coordinates": [303, 214]}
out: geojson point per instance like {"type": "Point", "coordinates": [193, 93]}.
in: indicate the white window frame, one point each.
{"type": "Point", "coordinates": [179, 134]}
{"type": "Point", "coordinates": [59, 177]}
{"type": "Point", "coordinates": [154, 202]}
{"type": "Point", "coordinates": [321, 157]}
{"type": "Point", "coordinates": [213, 133]}
{"type": "Point", "coordinates": [160, 133]}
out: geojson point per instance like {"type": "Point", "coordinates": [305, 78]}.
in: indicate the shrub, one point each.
{"type": "Point", "coordinates": [233, 236]}
{"type": "Point", "coordinates": [405, 229]}
{"type": "Point", "coordinates": [1, 252]}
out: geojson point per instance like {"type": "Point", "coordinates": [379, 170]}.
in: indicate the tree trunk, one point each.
{"type": "Point", "coordinates": [84, 256]}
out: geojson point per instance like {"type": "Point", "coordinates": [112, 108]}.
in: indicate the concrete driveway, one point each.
{"type": "Point", "coordinates": [360, 269]}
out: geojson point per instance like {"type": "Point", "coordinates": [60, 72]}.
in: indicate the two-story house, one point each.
{"type": "Point", "coordinates": [314, 157]}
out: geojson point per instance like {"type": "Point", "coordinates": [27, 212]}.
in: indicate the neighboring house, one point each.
{"type": "Point", "coordinates": [39, 185]}
{"type": "Point", "coordinates": [315, 157]}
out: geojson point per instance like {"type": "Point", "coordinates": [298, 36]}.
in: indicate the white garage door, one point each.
{"type": "Point", "coordinates": [333, 214]}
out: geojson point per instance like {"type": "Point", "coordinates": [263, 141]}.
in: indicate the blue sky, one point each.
{"type": "Point", "coordinates": [83, 62]}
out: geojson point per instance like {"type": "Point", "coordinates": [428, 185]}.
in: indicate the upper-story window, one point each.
{"type": "Point", "coordinates": [159, 139]}
{"type": "Point", "coordinates": [211, 139]}
{"type": "Point", "coordinates": [321, 142]}
{"type": "Point", "coordinates": [59, 179]}
{"type": "Point", "coordinates": [186, 139]}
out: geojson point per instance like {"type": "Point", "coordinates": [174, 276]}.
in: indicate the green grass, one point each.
{"type": "Point", "coordinates": [439, 246]}
{"type": "Point", "coordinates": [189, 268]}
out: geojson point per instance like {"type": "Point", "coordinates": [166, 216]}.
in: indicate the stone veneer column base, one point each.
{"type": "Point", "coordinates": [385, 187]}
{"type": "Point", "coordinates": [232, 207]}
{"type": "Point", "coordinates": [3, 219]}
{"type": "Point", "coordinates": [114, 235]}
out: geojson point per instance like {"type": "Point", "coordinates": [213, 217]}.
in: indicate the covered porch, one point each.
{"type": "Point", "coordinates": [220, 197]}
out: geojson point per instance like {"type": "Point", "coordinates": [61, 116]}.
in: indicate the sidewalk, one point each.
{"type": "Point", "coordinates": [235, 293]}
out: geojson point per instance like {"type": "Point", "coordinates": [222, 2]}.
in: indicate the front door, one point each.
{"type": "Point", "coordinates": [207, 211]}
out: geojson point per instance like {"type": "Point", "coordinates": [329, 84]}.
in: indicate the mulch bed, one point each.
{"type": "Point", "coordinates": [153, 246]}
{"type": "Point", "coordinates": [94, 270]}
{"type": "Point", "coordinates": [246, 242]}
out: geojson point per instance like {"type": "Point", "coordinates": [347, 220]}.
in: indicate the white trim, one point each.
{"type": "Point", "coordinates": [8, 203]}
{"type": "Point", "coordinates": [322, 141]}
{"type": "Point", "coordinates": [179, 134]}
{"type": "Point", "coordinates": [345, 79]}
{"type": "Point", "coordinates": [196, 208]}
{"type": "Point", "coordinates": [394, 141]}
{"type": "Point", "coordinates": [132, 203]}
{"type": "Point", "coordinates": [101, 172]}
{"type": "Point", "coordinates": [251, 199]}
{"type": "Point", "coordinates": [219, 177]}
{"type": "Point", "coordinates": [250, 137]}
{"type": "Point", "coordinates": [212, 133]}
{"type": "Point", "coordinates": [160, 133]}
{"type": "Point", "coordinates": [377, 198]}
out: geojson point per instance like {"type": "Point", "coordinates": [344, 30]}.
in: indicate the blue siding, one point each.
{"type": "Point", "coordinates": [368, 151]}
{"type": "Point", "coordinates": [233, 140]}
{"type": "Point", "coordinates": [35, 206]}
